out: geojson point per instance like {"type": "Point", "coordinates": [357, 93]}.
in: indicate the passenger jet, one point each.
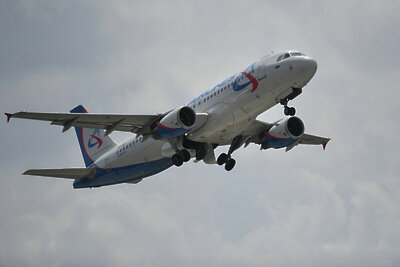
{"type": "Point", "coordinates": [225, 115]}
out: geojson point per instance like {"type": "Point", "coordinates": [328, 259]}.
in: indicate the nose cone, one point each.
{"type": "Point", "coordinates": [304, 70]}
{"type": "Point", "coordinates": [310, 67]}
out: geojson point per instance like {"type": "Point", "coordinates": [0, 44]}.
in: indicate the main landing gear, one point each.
{"type": "Point", "coordinates": [180, 157]}
{"type": "Point", "coordinates": [226, 158]}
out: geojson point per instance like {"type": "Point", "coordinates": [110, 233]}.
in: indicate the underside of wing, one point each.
{"type": "Point", "coordinates": [308, 139]}
{"type": "Point", "coordinates": [68, 173]}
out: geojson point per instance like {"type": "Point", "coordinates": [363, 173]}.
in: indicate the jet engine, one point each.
{"type": "Point", "coordinates": [283, 134]}
{"type": "Point", "coordinates": [177, 123]}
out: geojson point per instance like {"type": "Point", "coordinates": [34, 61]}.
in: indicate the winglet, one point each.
{"type": "Point", "coordinates": [9, 115]}
{"type": "Point", "coordinates": [324, 145]}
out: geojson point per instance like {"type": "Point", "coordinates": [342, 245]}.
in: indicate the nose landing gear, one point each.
{"type": "Point", "coordinates": [285, 97]}
{"type": "Point", "coordinates": [288, 111]}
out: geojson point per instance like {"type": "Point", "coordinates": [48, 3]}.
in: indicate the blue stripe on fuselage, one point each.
{"type": "Point", "coordinates": [124, 174]}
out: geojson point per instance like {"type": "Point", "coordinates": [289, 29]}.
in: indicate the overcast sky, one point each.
{"type": "Point", "coordinates": [307, 207]}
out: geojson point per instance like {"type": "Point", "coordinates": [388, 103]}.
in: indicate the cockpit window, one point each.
{"type": "Point", "coordinates": [296, 54]}
{"type": "Point", "coordinates": [282, 57]}
{"type": "Point", "coordinates": [285, 56]}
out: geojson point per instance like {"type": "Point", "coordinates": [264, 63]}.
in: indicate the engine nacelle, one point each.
{"type": "Point", "coordinates": [177, 123]}
{"type": "Point", "coordinates": [284, 134]}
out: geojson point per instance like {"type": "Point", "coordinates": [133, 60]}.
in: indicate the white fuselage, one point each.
{"type": "Point", "coordinates": [231, 105]}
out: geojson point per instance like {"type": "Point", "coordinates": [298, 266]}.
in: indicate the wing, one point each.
{"type": "Point", "coordinates": [308, 139]}
{"type": "Point", "coordinates": [140, 124]}
{"type": "Point", "coordinates": [252, 135]}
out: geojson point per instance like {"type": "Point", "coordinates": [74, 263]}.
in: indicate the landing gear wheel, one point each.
{"type": "Point", "coordinates": [185, 155]}
{"type": "Point", "coordinates": [292, 111]}
{"type": "Point", "coordinates": [222, 159]}
{"type": "Point", "coordinates": [230, 164]}
{"type": "Point", "coordinates": [286, 111]}
{"type": "Point", "coordinates": [177, 160]}
{"type": "Point", "coordinates": [289, 111]}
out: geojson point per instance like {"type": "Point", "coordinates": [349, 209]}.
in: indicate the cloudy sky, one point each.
{"type": "Point", "coordinates": [308, 207]}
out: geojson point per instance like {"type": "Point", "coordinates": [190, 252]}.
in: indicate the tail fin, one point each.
{"type": "Point", "coordinates": [93, 143]}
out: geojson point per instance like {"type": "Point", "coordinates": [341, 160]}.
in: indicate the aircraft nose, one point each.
{"type": "Point", "coordinates": [307, 67]}
{"type": "Point", "coordinates": [310, 67]}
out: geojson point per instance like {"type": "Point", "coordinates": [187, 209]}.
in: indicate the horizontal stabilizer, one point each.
{"type": "Point", "coordinates": [68, 173]}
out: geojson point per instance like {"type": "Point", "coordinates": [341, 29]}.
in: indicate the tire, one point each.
{"type": "Point", "coordinates": [292, 111]}
{"type": "Point", "coordinates": [177, 160]}
{"type": "Point", "coordinates": [230, 164]}
{"type": "Point", "coordinates": [222, 159]}
{"type": "Point", "coordinates": [185, 155]}
{"type": "Point", "coordinates": [286, 111]}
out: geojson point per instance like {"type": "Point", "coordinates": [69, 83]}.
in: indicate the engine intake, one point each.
{"type": "Point", "coordinates": [177, 123]}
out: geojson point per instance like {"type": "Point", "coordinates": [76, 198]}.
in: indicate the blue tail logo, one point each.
{"type": "Point", "coordinates": [95, 139]}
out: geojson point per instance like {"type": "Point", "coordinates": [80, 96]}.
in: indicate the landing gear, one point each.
{"type": "Point", "coordinates": [222, 159]}
{"type": "Point", "coordinates": [201, 151]}
{"type": "Point", "coordinates": [290, 111]}
{"type": "Point", "coordinates": [226, 158]}
{"type": "Point", "coordinates": [180, 157]}
{"type": "Point", "coordinates": [230, 164]}
{"type": "Point", "coordinates": [177, 160]}
{"type": "Point", "coordinates": [185, 155]}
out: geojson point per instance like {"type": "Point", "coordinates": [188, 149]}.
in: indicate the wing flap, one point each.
{"type": "Point", "coordinates": [68, 173]}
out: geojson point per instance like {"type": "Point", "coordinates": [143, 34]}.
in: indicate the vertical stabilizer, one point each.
{"type": "Point", "coordinates": [93, 143]}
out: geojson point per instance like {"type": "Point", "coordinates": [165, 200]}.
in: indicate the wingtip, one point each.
{"type": "Point", "coordinates": [9, 116]}
{"type": "Point", "coordinates": [324, 145]}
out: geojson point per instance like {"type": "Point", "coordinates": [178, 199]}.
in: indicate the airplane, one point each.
{"type": "Point", "coordinates": [225, 115]}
